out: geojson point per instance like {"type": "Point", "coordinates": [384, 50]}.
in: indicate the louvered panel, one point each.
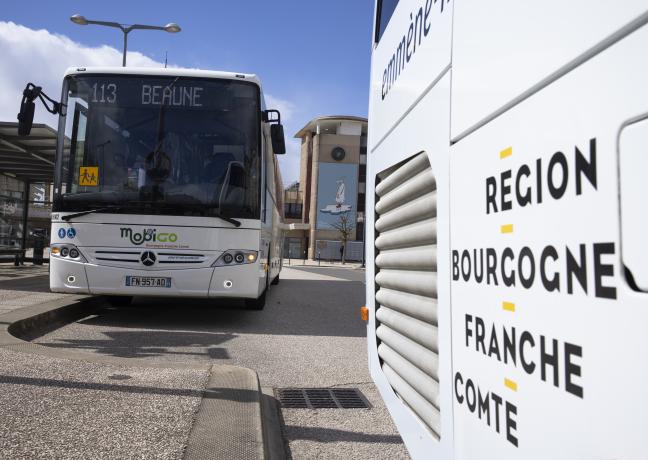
{"type": "Point", "coordinates": [414, 211]}
{"type": "Point", "coordinates": [421, 357]}
{"type": "Point", "coordinates": [420, 332]}
{"type": "Point", "coordinates": [419, 307]}
{"type": "Point", "coordinates": [414, 282]}
{"type": "Point", "coordinates": [414, 166]}
{"type": "Point", "coordinates": [429, 414]}
{"type": "Point", "coordinates": [418, 380]}
{"type": "Point", "coordinates": [413, 188]}
{"type": "Point", "coordinates": [416, 234]}
{"type": "Point", "coordinates": [419, 258]}
{"type": "Point", "coordinates": [406, 286]}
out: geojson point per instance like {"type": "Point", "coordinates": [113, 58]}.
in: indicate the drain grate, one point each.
{"type": "Point", "coordinates": [322, 398]}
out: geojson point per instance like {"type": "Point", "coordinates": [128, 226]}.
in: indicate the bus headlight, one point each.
{"type": "Point", "coordinates": [236, 257]}
{"type": "Point", "coordinates": [67, 252]}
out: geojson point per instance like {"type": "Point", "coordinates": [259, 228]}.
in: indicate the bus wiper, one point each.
{"type": "Point", "coordinates": [234, 222]}
{"type": "Point", "coordinates": [90, 211]}
{"type": "Point", "coordinates": [199, 208]}
{"type": "Point", "coordinates": [194, 204]}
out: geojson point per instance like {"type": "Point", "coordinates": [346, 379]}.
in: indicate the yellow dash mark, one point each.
{"type": "Point", "coordinates": [507, 152]}
{"type": "Point", "coordinates": [508, 228]}
{"type": "Point", "coordinates": [508, 306]}
{"type": "Point", "coordinates": [510, 384]}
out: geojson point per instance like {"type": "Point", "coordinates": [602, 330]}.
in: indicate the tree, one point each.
{"type": "Point", "coordinates": [345, 228]}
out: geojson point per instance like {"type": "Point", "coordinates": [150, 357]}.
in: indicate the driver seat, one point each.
{"type": "Point", "coordinates": [216, 167]}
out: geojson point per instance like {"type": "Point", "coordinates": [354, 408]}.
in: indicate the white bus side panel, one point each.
{"type": "Point", "coordinates": [503, 48]}
{"type": "Point", "coordinates": [605, 331]}
{"type": "Point", "coordinates": [425, 129]}
{"type": "Point", "coordinates": [427, 61]}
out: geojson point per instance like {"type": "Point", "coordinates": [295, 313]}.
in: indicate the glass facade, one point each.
{"type": "Point", "coordinates": [12, 206]}
{"type": "Point", "coordinates": [11, 211]}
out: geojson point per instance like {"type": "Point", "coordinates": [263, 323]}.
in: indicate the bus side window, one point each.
{"type": "Point", "coordinates": [265, 176]}
{"type": "Point", "coordinates": [385, 9]}
{"type": "Point", "coordinates": [632, 193]}
{"type": "Point", "coordinates": [78, 151]}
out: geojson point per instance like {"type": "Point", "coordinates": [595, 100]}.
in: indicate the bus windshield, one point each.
{"type": "Point", "coordinates": [160, 145]}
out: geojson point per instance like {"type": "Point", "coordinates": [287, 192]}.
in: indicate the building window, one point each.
{"type": "Point", "coordinates": [360, 231]}
{"type": "Point", "coordinates": [361, 202]}
{"type": "Point", "coordinates": [292, 210]}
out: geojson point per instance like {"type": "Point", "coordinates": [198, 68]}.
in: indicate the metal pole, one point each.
{"type": "Point", "coordinates": [23, 242]}
{"type": "Point", "coordinates": [125, 46]}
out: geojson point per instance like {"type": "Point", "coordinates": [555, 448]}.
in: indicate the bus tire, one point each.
{"type": "Point", "coordinates": [119, 300]}
{"type": "Point", "coordinates": [275, 281]}
{"type": "Point", "coordinates": [256, 304]}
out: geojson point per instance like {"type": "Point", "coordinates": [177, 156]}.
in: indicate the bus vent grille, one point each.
{"type": "Point", "coordinates": [406, 286]}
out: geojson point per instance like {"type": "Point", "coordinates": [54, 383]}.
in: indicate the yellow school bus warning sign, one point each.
{"type": "Point", "coordinates": [89, 176]}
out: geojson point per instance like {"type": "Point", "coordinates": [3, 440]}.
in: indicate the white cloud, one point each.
{"type": "Point", "coordinates": [284, 107]}
{"type": "Point", "coordinates": [289, 163]}
{"type": "Point", "coordinates": [41, 57]}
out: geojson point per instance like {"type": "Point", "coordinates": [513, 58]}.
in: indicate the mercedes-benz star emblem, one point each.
{"type": "Point", "coordinates": [148, 258]}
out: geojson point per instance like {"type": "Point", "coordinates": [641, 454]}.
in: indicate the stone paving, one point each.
{"type": "Point", "coordinates": [24, 286]}
{"type": "Point", "coordinates": [61, 408]}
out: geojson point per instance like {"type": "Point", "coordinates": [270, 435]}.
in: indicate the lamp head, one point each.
{"type": "Point", "coordinates": [78, 19]}
{"type": "Point", "coordinates": [172, 27]}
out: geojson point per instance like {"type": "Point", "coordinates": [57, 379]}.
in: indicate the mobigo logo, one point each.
{"type": "Point", "coordinates": [146, 235]}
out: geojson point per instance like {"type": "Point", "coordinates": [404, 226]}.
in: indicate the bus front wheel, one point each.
{"type": "Point", "coordinates": [256, 304]}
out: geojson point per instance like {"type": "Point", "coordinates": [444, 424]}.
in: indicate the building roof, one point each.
{"type": "Point", "coordinates": [329, 122]}
{"type": "Point", "coordinates": [28, 158]}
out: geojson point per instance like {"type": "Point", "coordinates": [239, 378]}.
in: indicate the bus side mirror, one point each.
{"type": "Point", "coordinates": [26, 117]}
{"type": "Point", "coordinates": [278, 140]}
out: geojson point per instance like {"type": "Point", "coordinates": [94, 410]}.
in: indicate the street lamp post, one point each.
{"type": "Point", "coordinates": [171, 27]}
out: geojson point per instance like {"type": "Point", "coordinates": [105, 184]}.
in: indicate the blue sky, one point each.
{"type": "Point", "coordinates": [312, 56]}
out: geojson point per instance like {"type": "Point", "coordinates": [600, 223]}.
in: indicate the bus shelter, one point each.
{"type": "Point", "coordinates": [26, 181]}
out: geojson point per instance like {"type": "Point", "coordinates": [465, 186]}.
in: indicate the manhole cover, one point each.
{"type": "Point", "coordinates": [322, 398]}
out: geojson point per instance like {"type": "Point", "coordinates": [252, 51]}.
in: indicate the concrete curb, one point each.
{"type": "Point", "coordinates": [273, 439]}
{"type": "Point", "coordinates": [27, 323]}
{"type": "Point", "coordinates": [235, 418]}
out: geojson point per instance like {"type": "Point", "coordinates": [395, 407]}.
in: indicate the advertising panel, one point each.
{"type": "Point", "coordinates": [337, 194]}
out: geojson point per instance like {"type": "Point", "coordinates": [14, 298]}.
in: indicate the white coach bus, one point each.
{"type": "Point", "coordinates": [169, 187]}
{"type": "Point", "coordinates": [507, 255]}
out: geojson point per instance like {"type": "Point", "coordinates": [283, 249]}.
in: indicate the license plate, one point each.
{"type": "Point", "coordinates": [148, 281]}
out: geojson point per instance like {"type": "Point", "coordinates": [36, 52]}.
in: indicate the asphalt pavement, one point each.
{"type": "Point", "coordinates": [309, 335]}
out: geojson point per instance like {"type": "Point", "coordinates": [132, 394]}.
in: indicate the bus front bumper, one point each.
{"type": "Point", "coordinates": [240, 281]}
